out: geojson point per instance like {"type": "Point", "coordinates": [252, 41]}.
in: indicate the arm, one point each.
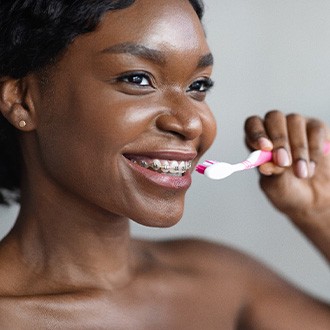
{"type": "Point", "coordinates": [298, 181]}
{"type": "Point", "coordinates": [273, 304]}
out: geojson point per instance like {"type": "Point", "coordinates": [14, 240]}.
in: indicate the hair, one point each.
{"type": "Point", "coordinates": [34, 34]}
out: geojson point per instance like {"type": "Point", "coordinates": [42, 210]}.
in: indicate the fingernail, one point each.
{"type": "Point", "coordinates": [312, 167]}
{"type": "Point", "coordinates": [282, 157]}
{"type": "Point", "coordinates": [265, 144]}
{"type": "Point", "coordinates": [302, 169]}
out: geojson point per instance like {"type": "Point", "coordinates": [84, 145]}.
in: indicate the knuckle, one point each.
{"type": "Point", "coordinates": [299, 150]}
{"type": "Point", "coordinates": [316, 124]}
{"type": "Point", "coordinates": [295, 117]}
{"type": "Point", "coordinates": [273, 113]}
{"type": "Point", "coordinates": [254, 136]}
{"type": "Point", "coordinates": [279, 139]}
{"type": "Point", "coordinates": [254, 126]}
{"type": "Point", "coordinates": [250, 121]}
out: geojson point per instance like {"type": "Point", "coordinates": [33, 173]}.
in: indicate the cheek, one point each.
{"type": "Point", "coordinates": [209, 129]}
{"type": "Point", "coordinates": [109, 115]}
{"type": "Point", "coordinates": [81, 141]}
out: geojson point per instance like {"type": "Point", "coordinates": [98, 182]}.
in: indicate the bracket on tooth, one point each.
{"type": "Point", "coordinates": [144, 164]}
{"type": "Point", "coordinates": [156, 165]}
{"type": "Point", "coordinates": [173, 167]}
{"type": "Point", "coordinates": [165, 167]}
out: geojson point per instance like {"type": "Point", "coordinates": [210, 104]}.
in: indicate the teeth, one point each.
{"type": "Point", "coordinates": [166, 167]}
{"type": "Point", "coordinates": [173, 167]}
{"type": "Point", "coordinates": [182, 167]}
{"type": "Point", "coordinates": [144, 164]}
{"type": "Point", "coordinates": [156, 165]}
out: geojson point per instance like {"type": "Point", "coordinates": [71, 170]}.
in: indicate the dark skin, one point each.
{"type": "Point", "coordinates": [70, 257]}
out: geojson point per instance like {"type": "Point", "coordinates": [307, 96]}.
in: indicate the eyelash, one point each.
{"type": "Point", "coordinates": [136, 78]}
{"type": "Point", "coordinates": [131, 76]}
{"type": "Point", "coordinates": [201, 85]}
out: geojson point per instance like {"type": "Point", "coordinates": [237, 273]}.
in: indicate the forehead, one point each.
{"type": "Point", "coordinates": [161, 24]}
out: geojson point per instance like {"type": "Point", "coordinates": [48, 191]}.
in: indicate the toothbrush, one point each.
{"type": "Point", "coordinates": [220, 170]}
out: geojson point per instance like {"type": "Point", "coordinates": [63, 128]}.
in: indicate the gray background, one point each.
{"type": "Point", "coordinates": [269, 55]}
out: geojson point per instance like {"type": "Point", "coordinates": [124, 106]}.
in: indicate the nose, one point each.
{"type": "Point", "coordinates": [182, 119]}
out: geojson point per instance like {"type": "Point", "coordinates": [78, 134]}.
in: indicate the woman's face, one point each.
{"type": "Point", "coordinates": [127, 96]}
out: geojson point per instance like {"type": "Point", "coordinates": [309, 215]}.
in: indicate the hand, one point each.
{"type": "Point", "coordinates": [297, 182]}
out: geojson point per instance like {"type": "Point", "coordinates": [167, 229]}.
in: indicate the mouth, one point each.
{"type": "Point", "coordinates": [164, 166]}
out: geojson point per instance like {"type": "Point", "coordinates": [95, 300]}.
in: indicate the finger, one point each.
{"type": "Point", "coordinates": [317, 136]}
{"type": "Point", "coordinates": [297, 133]}
{"type": "Point", "coordinates": [316, 132]}
{"type": "Point", "coordinates": [256, 135]}
{"type": "Point", "coordinates": [276, 128]}
{"type": "Point", "coordinates": [269, 169]}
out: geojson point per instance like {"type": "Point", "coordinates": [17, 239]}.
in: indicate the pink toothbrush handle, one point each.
{"type": "Point", "coordinates": [260, 157]}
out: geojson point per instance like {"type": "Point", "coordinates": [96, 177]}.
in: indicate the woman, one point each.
{"type": "Point", "coordinates": [103, 120]}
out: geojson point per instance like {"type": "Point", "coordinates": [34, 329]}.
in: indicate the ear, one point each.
{"type": "Point", "coordinates": [16, 103]}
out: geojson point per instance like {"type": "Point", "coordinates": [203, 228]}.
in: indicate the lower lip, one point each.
{"type": "Point", "coordinates": [163, 180]}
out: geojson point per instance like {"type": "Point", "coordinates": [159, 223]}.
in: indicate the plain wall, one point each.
{"type": "Point", "coordinates": [269, 55]}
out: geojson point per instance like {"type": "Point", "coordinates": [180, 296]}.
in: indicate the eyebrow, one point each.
{"type": "Point", "coordinates": [136, 50]}
{"type": "Point", "coordinates": [150, 54]}
{"type": "Point", "coordinates": [205, 61]}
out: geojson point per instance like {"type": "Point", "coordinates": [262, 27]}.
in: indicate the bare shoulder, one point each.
{"type": "Point", "coordinates": [263, 299]}
{"type": "Point", "coordinates": [206, 256]}
{"type": "Point", "coordinates": [213, 268]}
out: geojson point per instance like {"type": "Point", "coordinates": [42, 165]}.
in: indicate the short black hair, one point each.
{"type": "Point", "coordinates": [34, 33]}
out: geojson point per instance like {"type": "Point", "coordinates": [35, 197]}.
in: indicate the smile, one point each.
{"type": "Point", "coordinates": [169, 167]}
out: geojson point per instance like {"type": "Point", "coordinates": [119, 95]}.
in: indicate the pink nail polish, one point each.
{"type": "Point", "coordinates": [282, 157]}
{"type": "Point", "coordinates": [302, 169]}
{"type": "Point", "coordinates": [265, 144]}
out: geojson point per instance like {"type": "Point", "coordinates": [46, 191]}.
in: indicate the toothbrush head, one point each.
{"type": "Point", "coordinates": [219, 171]}
{"type": "Point", "coordinates": [215, 170]}
{"type": "Point", "coordinates": [200, 168]}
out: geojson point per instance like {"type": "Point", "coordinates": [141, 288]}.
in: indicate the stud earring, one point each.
{"type": "Point", "coordinates": [22, 124]}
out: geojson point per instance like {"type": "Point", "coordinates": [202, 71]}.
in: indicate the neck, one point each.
{"type": "Point", "coordinates": [69, 241]}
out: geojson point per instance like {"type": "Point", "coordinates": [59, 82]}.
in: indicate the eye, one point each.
{"type": "Point", "coordinates": [138, 79]}
{"type": "Point", "coordinates": [201, 85]}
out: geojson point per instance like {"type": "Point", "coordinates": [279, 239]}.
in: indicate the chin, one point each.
{"type": "Point", "coordinates": [165, 219]}
{"type": "Point", "coordinates": [156, 209]}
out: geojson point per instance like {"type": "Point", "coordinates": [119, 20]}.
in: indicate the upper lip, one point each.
{"type": "Point", "coordinates": [166, 154]}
